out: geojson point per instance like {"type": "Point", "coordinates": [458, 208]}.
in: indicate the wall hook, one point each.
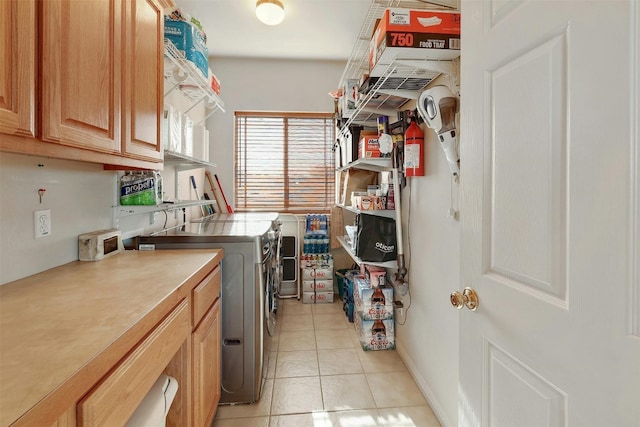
{"type": "Point", "coordinates": [41, 193]}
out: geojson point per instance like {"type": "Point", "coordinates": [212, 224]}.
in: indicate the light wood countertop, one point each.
{"type": "Point", "coordinates": [62, 329]}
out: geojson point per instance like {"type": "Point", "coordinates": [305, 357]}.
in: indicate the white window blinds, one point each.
{"type": "Point", "coordinates": [284, 162]}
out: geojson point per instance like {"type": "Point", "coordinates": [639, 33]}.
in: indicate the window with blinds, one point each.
{"type": "Point", "coordinates": [284, 162]}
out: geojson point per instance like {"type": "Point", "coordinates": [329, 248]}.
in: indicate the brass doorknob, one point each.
{"type": "Point", "coordinates": [468, 298]}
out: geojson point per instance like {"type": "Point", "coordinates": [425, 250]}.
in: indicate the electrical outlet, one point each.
{"type": "Point", "coordinates": [42, 223]}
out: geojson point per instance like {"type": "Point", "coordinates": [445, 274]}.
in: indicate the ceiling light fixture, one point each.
{"type": "Point", "coordinates": [270, 12]}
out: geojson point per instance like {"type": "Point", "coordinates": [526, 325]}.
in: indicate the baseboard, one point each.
{"type": "Point", "coordinates": [424, 388]}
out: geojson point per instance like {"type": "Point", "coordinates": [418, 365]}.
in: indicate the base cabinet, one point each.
{"type": "Point", "coordinates": [118, 395]}
{"type": "Point", "coordinates": [68, 419]}
{"type": "Point", "coordinates": [194, 324]}
{"type": "Point", "coordinates": [179, 336]}
{"type": "Point", "coordinates": [206, 367]}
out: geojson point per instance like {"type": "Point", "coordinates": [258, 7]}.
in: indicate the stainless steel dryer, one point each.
{"type": "Point", "coordinates": [247, 320]}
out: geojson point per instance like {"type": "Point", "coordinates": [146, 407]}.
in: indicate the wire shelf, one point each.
{"type": "Point", "coordinates": [182, 74]}
{"type": "Point", "coordinates": [358, 63]}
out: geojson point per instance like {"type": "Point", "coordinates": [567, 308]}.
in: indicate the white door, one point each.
{"type": "Point", "coordinates": [550, 110]}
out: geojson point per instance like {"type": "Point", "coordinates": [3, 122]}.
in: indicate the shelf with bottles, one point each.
{"type": "Point", "coordinates": [183, 75]}
{"type": "Point", "coordinates": [316, 239]}
{"type": "Point", "coordinates": [346, 244]}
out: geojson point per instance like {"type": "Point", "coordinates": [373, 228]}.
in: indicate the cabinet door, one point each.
{"type": "Point", "coordinates": [17, 67]}
{"type": "Point", "coordinates": [143, 78]}
{"type": "Point", "coordinates": [206, 367]}
{"type": "Point", "coordinates": [116, 397]}
{"type": "Point", "coordinates": [81, 74]}
{"type": "Point", "coordinates": [68, 419]}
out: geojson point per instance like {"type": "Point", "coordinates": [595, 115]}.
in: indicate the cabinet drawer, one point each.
{"type": "Point", "coordinates": [116, 397]}
{"type": "Point", "coordinates": [205, 294]}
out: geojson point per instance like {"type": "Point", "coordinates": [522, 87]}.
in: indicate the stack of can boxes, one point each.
{"type": "Point", "coordinates": [373, 301]}
{"type": "Point", "coordinates": [347, 293]}
{"type": "Point", "coordinates": [317, 262]}
{"type": "Point", "coordinates": [344, 283]}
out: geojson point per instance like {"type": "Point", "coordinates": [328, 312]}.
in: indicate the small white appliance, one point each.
{"type": "Point", "coordinates": [438, 107]}
{"type": "Point", "coordinates": [99, 244]}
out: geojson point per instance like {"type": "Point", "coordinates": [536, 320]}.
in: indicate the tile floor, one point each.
{"type": "Point", "coordinates": [319, 376]}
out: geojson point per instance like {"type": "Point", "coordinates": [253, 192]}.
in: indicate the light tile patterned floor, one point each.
{"type": "Point", "coordinates": [319, 376]}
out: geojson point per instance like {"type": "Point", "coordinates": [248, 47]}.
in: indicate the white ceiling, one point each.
{"type": "Point", "coordinates": [312, 29]}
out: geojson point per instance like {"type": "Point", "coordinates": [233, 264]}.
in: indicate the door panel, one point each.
{"type": "Point", "coordinates": [549, 110]}
{"type": "Point", "coordinates": [528, 182]}
{"type": "Point", "coordinates": [81, 73]}
{"type": "Point", "coordinates": [516, 394]}
{"type": "Point", "coordinates": [144, 49]}
{"type": "Point", "coordinates": [206, 367]}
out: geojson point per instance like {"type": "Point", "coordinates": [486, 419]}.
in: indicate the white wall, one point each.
{"type": "Point", "coordinates": [79, 195]}
{"type": "Point", "coordinates": [265, 85]}
{"type": "Point", "coordinates": [428, 340]}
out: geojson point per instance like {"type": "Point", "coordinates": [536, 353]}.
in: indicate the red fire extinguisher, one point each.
{"type": "Point", "coordinates": [414, 150]}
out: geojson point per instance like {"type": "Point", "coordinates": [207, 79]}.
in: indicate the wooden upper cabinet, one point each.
{"type": "Point", "coordinates": [143, 49]}
{"type": "Point", "coordinates": [102, 75]}
{"type": "Point", "coordinates": [17, 67]}
{"type": "Point", "coordinates": [81, 73]}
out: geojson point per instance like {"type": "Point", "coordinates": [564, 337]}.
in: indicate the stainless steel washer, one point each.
{"type": "Point", "coordinates": [247, 319]}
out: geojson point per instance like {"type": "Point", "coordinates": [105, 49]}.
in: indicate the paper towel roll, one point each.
{"type": "Point", "coordinates": [199, 143]}
{"type": "Point", "coordinates": [153, 410]}
{"type": "Point", "coordinates": [187, 136]}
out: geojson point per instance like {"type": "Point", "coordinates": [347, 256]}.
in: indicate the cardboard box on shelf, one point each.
{"type": "Point", "coordinates": [369, 203]}
{"type": "Point", "coordinates": [355, 180]}
{"type": "Point", "coordinates": [414, 34]}
{"type": "Point", "coordinates": [375, 274]}
{"type": "Point", "coordinates": [368, 147]}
